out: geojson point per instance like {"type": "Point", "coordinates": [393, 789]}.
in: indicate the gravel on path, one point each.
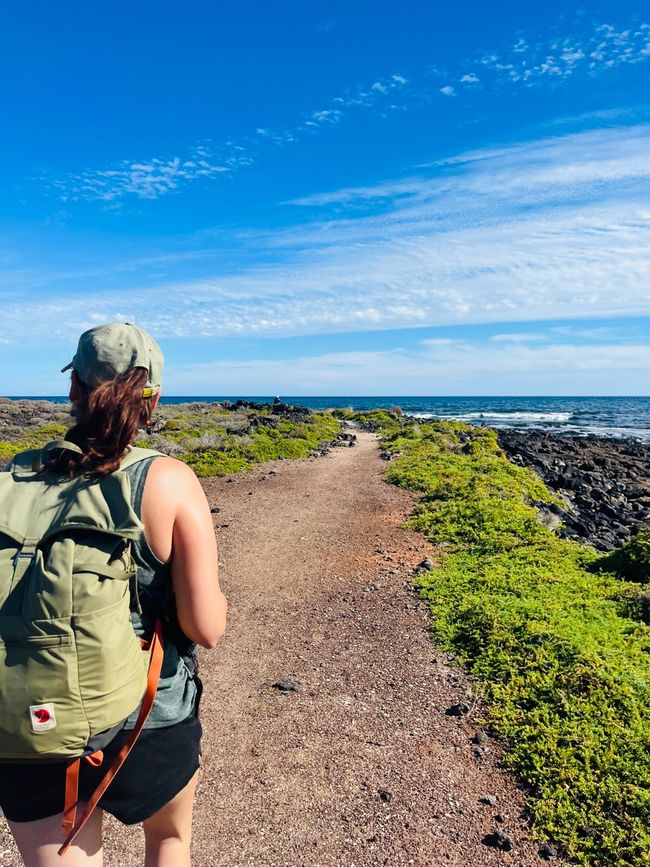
{"type": "Point", "coordinates": [336, 734]}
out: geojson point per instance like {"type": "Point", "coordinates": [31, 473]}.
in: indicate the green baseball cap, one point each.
{"type": "Point", "coordinates": [107, 351]}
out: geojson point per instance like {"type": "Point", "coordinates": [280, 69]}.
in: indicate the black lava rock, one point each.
{"type": "Point", "coordinates": [459, 709]}
{"type": "Point", "coordinates": [286, 686]}
{"type": "Point", "coordinates": [499, 840]}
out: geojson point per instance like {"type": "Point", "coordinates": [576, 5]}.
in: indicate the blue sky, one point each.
{"type": "Point", "coordinates": [330, 198]}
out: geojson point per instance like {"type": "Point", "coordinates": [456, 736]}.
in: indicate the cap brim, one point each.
{"type": "Point", "coordinates": [67, 367]}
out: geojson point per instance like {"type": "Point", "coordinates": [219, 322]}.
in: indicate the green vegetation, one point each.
{"type": "Point", "coordinates": [552, 637]}
{"type": "Point", "coordinates": [211, 447]}
{"type": "Point", "coordinates": [632, 561]}
{"type": "Point", "coordinates": [31, 439]}
{"type": "Point", "coordinates": [214, 439]}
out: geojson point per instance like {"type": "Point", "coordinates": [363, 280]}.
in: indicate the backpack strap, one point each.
{"type": "Point", "coordinates": [33, 461]}
{"type": "Point", "coordinates": [71, 825]}
{"type": "Point", "coordinates": [39, 461]}
{"type": "Point", "coordinates": [135, 454]}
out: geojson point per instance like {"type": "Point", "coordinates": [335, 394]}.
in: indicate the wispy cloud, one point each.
{"type": "Point", "coordinates": [546, 230]}
{"type": "Point", "coordinates": [523, 63]}
{"type": "Point", "coordinates": [604, 47]}
{"type": "Point", "coordinates": [147, 179]}
{"type": "Point", "coordinates": [448, 367]}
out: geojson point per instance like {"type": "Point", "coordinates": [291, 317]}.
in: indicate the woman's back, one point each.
{"type": "Point", "coordinates": [115, 386]}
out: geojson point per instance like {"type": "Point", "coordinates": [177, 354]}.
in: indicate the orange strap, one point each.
{"type": "Point", "coordinates": [72, 787]}
{"type": "Point", "coordinates": [71, 795]}
{"type": "Point", "coordinates": [71, 827]}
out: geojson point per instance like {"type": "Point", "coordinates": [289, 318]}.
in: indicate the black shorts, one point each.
{"type": "Point", "coordinates": [161, 763]}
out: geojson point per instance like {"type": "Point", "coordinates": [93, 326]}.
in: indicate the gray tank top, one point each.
{"type": "Point", "coordinates": [176, 694]}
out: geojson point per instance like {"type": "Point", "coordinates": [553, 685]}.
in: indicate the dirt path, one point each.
{"type": "Point", "coordinates": [361, 765]}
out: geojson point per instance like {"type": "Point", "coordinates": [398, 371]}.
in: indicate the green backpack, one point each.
{"type": "Point", "coordinates": [71, 666]}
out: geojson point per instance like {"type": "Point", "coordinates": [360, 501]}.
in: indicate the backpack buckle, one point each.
{"type": "Point", "coordinates": [26, 552]}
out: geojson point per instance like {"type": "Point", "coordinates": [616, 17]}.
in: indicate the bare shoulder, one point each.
{"type": "Point", "coordinates": [170, 476]}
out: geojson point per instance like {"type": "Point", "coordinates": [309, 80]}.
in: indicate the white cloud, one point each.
{"type": "Point", "coordinates": [144, 179]}
{"type": "Point", "coordinates": [516, 337]}
{"type": "Point", "coordinates": [447, 367]}
{"type": "Point", "coordinates": [601, 48]}
{"type": "Point", "coordinates": [554, 59]}
{"type": "Point", "coordinates": [547, 230]}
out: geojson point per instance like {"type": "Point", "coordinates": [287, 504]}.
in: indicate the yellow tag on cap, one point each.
{"type": "Point", "coordinates": [147, 392]}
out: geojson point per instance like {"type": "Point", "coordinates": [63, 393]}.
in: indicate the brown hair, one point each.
{"type": "Point", "coordinates": [108, 418]}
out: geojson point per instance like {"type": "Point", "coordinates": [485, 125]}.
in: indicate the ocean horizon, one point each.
{"type": "Point", "coordinates": [617, 417]}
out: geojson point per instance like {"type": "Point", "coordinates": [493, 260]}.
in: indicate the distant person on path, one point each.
{"type": "Point", "coordinates": [115, 386]}
{"type": "Point", "coordinates": [277, 400]}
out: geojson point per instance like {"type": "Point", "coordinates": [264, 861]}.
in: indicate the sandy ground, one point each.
{"type": "Point", "coordinates": [360, 765]}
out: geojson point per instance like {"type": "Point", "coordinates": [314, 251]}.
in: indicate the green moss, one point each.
{"type": "Point", "coordinates": [214, 439]}
{"type": "Point", "coordinates": [31, 439]}
{"type": "Point", "coordinates": [212, 462]}
{"type": "Point", "coordinates": [271, 438]}
{"type": "Point", "coordinates": [565, 669]}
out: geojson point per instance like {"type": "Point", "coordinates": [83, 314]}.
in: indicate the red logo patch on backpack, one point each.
{"type": "Point", "coordinates": [42, 717]}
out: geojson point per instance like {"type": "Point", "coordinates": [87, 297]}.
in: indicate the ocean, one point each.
{"type": "Point", "coordinates": [619, 417]}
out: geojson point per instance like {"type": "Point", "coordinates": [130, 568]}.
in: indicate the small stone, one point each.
{"type": "Point", "coordinates": [285, 686]}
{"type": "Point", "coordinates": [459, 709]}
{"type": "Point", "coordinates": [499, 818]}
{"type": "Point", "coordinates": [547, 851]}
{"type": "Point", "coordinates": [375, 586]}
{"type": "Point", "coordinates": [490, 800]}
{"type": "Point", "coordinates": [499, 840]}
{"type": "Point", "coordinates": [215, 510]}
{"type": "Point", "coordinates": [385, 795]}
{"type": "Point", "coordinates": [479, 752]}
{"type": "Point", "coordinates": [480, 738]}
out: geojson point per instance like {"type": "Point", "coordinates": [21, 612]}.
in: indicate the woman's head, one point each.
{"type": "Point", "coordinates": [115, 386]}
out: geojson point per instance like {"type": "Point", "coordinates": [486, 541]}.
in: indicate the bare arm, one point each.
{"type": "Point", "coordinates": [174, 499]}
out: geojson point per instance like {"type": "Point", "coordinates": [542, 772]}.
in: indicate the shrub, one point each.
{"type": "Point", "coordinates": [565, 667]}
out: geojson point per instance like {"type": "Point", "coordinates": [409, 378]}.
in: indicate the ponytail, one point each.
{"type": "Point", "coordinates": [108, 418]}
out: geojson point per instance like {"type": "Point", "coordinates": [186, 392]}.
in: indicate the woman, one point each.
{"type": "Point", "coordinates": [115, 386]}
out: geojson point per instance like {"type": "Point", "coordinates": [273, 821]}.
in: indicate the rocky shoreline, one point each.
{"type": "Point", "coordinates": [604, 483]}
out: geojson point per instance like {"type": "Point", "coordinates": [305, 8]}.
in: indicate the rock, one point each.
{"type": "Point", "coordinates": [479, 752]}
{"type": "Point", "coordinates": [286, 686]}
{"type": "Point", "coordinates": [480, 738]}
{"type": "Point", "coordinates": [602, 481]}
{"type": "Point", "coordinates": [425, 565]}
{"type": "Point", "coordinates": [215, 510]}
{"type": "Point", "coordinates": [459, 709]}
{"type": "Point", "coordinates": [490, 800]}
{"type": "Point", "coordinates": [385, 795]}
{"type": "Point", "coordinates": [548, 519]}
{"type": "Point", "coordinates": [547, 851]}
{"type": "Point", "coordinates": [500, 840]}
